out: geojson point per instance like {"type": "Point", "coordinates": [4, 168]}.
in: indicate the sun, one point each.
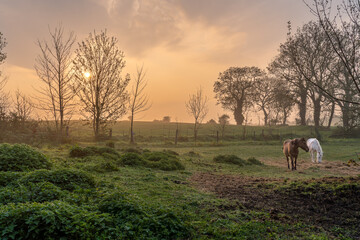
{"type": "Point", "coordinates": [87, 74]}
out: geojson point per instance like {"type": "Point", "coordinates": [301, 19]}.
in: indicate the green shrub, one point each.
{"type": "Point", "coordinates": [136, 222]}
{"type": "Point", "coordinates": [132, 150]}
{"type": "Point", "coordinates": [21, 157]}
{"type": "Point", "coordinates": [66, 179]}
{"type": "Point", "coordinates": [171, 152]}
{"type": "Point", "coordinates": [230, 159]}
{"type": "Point", "coordinates": [254, 161]}
{"type": "Point", "coordinates": [53, 220]}
{"type": "Point", "coordinates": [7, 178]}
{"type": "Point", "coordinates": [163, 161]}
{"type": "Point", "coordinates": [105, 166]}
{"type": "Point", "coordinates": [31, 192]}
{"type": "Point", "coordinates": [132, 159]}
{"type": "Point", "coordinates": [80, 152]}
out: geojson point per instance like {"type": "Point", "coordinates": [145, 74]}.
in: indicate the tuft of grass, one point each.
{"type": "Point", "coordinates": [80, 152]}
{"type": "Point", "coordinates": [230, 159]}
{"type": "Point", "coordinates": [254, 161]}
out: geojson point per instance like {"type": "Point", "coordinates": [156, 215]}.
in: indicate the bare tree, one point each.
{"type": "Point", "coordinates": [98, 83]}
{"type": "Point", "coordinates": [283, 100]}
{"type": "Point", "coordinates": [138, 101]}
{"type": "Point", "coordinates": [342, 30]}
{"type": "Point", "coordinates": [23, 108]}
{"type": "Point", "coordinates": [235, 89]}
{"type": "Point", "coordinates": [197, 107]}
{"type": "Point", "coordinates": [223, 122]}
{"type": "Point", "coordinates": [53, 67]}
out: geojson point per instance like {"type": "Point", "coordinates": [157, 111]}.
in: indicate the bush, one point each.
{"type": "Point", "coordinates": [77, 151]}
{"type": "Point", "coordinates": [136, 222]}
{"type": "Point", "coordinates": [163, 161]}
{"type": "Point", "coordinates": [110, 144]}
{"type": "Point", "coordinates": [132, 159]}
{"type": "Point", "coordinates": [105, 166]}
{"type": "Point", "coordinates": [53, 220]}
{"type": "Point", "coordinates": [230, 159]}
{"type": "Point", "coordinates": [66, 179]}
{"type": "Point", "coordinates": [31, 192]}
{"type": "Point", "coordinates": [21, 157]}
{"type": "Point", "coordinates": [7, 178]}
{"type": "Point", "coordinates": [132, 150]}
{"type": "Point", "coordinates": [254, 161]}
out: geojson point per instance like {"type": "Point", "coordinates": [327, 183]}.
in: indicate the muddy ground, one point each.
{"type": "Point", "coordinates": [330, 203]}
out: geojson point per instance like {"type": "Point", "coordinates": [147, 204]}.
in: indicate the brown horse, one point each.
{"type": "Point", "coordinates": [290, 149]}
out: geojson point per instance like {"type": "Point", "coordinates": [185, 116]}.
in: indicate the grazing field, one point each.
{"type": "Point", "coordinates": [231, 189]}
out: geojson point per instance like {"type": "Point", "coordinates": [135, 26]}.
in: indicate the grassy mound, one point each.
{"type": "Point", "coordinates": [155, 160]}
{"type": "Point", "coordinates": [135, 222]}
{"type": "Point", "coordinates": [31, 192]}
{"type": "Point", "coordinates": [230, 159]}
{"type": "Point", "coordinates": [163, 161]}
{"type": "Point", "coordinates": [66, 179]}
{"type": "Point", "coordinates": [53, 220]}
{"type": "Point", "coordinates": [7, 178]}
{"type": "Point", "coordinates": [233, 159]}
{"type": "Point", "coordinates": [80, 152]}
{"type": "Point", "coordinates": [21, 157]}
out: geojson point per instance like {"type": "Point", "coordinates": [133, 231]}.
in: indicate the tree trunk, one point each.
{"type": "Point", "coordinates": [317, 111]}
{"type": "Point", "coordinates": [132, 129]}
{"type": "Point", "coordinates": [332, 111]}
{"type": "Point", "coordinates": [266, 116]}
{"type": "Point", "coordinates": [302, 106]}
{"type": "Point", "coordinates": [284, 117]}
{"type": "Point", "coordinates": [238, 114]}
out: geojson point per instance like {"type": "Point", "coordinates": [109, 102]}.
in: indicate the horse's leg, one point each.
{"type": "Point", "coordinates": [292, 163]}
{"type": "Point", "coordinates": [312, 156]}
{"type": "Point", "coordinates": [287, 159]}
{"type": "Point", "coordinates": [295, 161]}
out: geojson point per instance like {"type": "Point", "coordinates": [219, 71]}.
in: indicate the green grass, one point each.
{"type": "Point", "coordinates": [202, 213]}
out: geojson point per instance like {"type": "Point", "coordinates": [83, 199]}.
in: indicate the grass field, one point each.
{"type": "Point", "coordinates": [205, 199]}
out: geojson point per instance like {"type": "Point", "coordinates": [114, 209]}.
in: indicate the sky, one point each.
{"type": "Point", "coordinates": [183, 44]}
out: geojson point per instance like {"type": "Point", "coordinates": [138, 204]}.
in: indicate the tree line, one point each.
{"type": "Point", "coordinates": [316, 70]}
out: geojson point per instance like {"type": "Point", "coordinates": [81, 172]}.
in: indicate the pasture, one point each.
{"type": "Point", "coordinates": [253, 196]}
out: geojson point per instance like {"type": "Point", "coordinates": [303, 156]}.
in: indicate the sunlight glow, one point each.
{"type": "Point", "coordinates": [87, 74]}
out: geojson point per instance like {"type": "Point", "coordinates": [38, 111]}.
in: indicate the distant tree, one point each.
{"type": "Point", "coordinates": [138, 100]}
{"type": "Point", "coordinates": [22, 109]}
{"type": "Point", "coordinates": [264, 96]}
{"type": "Point", "coordinates": [283, 100]}
{"type": "Point", "coordinates": [2, 46]}
{"type": "Point", "coordinates": [223, 122]}
{"type": "Point", "coordinates": [98, 83]}
{"type": "Point", "coordinates": [197, 107]}
{"type": "Point", "coordinates": [235, 89]}
{"type": "Point", "coordinates": [166, 119]}
{"type": "Point", "coordinates": [211, 121]}
{"type": "Point", "coordinates": [53, 67]}
{"type": "Point", "coordinates": [4, 103]}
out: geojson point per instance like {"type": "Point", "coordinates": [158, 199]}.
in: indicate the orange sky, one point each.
{"type": "Point", "coordinates": [183, 44]}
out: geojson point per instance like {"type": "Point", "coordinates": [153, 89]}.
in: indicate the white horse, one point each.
{"type": "Point", "coordinates": [314, 146]}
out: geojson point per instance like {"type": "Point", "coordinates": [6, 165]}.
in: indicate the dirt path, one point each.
{"type": "Point", "coordinates": [335, 167]}
{"type": "Point", "coordinates": [325, 207]}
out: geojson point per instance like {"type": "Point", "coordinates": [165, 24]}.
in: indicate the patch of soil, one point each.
{"type": "Point", "coordinates": [334, 167]}
{"type": "Point", "coordinates": [336, 205]}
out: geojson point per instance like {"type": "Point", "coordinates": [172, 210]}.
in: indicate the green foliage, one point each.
{"type": "Point", "coordinates": [132, 159]}
{"type": "Point", "coordinates": [67, 179]}
{"type": "Point", "coordinates": [230, 159]}
{"type": "Point", "coordinates": [156, 160]}
{"type": "Point", "coordinates": [110, 144]}
{"type": "Point", "coordinates": [80, 152]}
{"type": "Point", "coordinates": [7, 178]}
{"type": "Point", "coordinates": [254, 161]}
{"type": "Point", "coordinates": [105, 166]}
{"type": "Point", "coordinates": [31, 192]}
{"type": "Point", "coordinates": [21, 157]}
{"type": "Point", "coordinates": [163, 161]}
{"type": "Point", "coordinates": [136, 222]}
{"type": "Point", "coordinates": [53, 220]}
